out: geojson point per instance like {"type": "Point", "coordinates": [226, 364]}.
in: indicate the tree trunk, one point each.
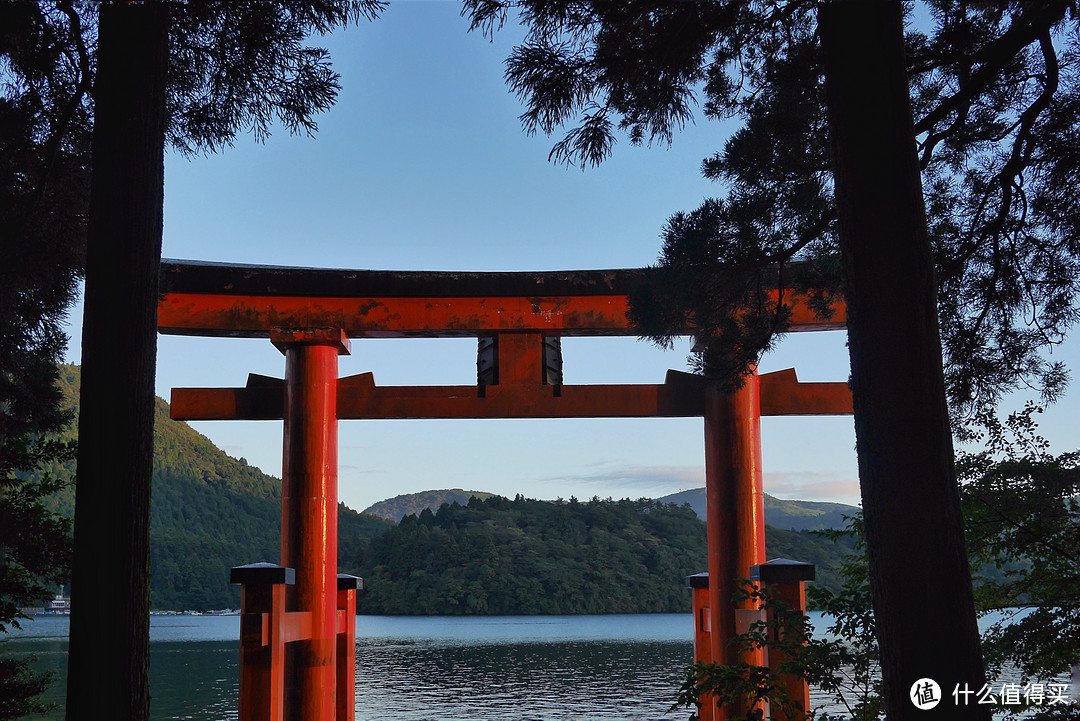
{"type": "Point", "coordinates": [919, 576]}
{"type": "Point", "coordinates": [108, 660]}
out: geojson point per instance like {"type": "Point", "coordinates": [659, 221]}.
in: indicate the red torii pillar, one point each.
{"type": "Point", "coordinates": [734, 501]}
{"type": "Point", "coordinates": [309, 514]}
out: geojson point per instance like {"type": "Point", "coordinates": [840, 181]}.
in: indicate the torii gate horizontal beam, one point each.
{"type": "Point", "coordinates": [680, 396]}
{"type": "Point", "coordinates": [250, 301]}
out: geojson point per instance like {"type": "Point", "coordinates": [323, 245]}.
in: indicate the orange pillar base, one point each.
{"type": "Point", "coordinates": [262, 640]}
{"type": "Point", "coordinates": [346, 646]}
{"type": "Point", "coordinates": [699, 604]}
{"type": "Point", "coordinates": [785, 581]}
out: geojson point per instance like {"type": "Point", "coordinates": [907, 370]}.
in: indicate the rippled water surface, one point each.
{"type": "Point", "coordinates": [498, 668]}
{"type": "Point", "coordinates": [410, 669]}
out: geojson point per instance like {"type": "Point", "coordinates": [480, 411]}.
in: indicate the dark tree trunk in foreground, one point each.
{"type": "Point", "coordinates": [108, 660]}
{"type": "Point", "coordinates": [919, 575]}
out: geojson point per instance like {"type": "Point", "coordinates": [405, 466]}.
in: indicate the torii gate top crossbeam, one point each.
{"type": "Point", "coordinates": [249, 301]}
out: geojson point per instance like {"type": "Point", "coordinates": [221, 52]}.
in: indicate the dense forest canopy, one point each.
{"type": "Point", "coordinates": [524, 556]}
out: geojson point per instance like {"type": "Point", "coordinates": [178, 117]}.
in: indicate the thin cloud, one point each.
{"type": "Point", "coordinates": [812, 486]}
{"type": "Point", "coordinates": [640, 477]}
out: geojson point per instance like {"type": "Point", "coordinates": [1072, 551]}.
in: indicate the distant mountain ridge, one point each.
{"type": "Point", "coordinates": [396, 508]}
{"type": "Point", "coordinates": [780, 514]}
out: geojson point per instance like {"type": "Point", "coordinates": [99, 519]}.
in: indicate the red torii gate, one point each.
{"type": "Point", "coordinates": [309, 314]}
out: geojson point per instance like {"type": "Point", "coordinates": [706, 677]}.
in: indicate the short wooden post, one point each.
{"type": "Point", "coordinates": [262, 643]}
{"type": "Point", "coordinates": [785, 581]}
{"type": "Point", "coordinates": [346, 646]}
{"type": "Point", "coordinates": [699, 589]}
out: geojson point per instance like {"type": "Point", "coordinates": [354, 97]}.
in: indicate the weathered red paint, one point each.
{"type": "Point", "coordinates": [309, 520]}
{"type": "Point", "coordinates": [521, 359]}
{"type": "Point", "coordinates": [255, 316]}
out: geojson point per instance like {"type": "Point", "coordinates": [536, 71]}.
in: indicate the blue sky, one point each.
{"type": "Point", "coordinates": [422, 165]}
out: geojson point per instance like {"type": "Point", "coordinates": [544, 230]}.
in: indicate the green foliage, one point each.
{"type": "Point", "coordinates": [1022, 517]}
{"type": "Point", "coordinates": [44, 131]}
{"type": "Point", "coordinates": [534, 557]}
{"type": "Point", "coordinates": [210, 512]}
{"type": "Point", "coordinates": [35, 548]}
{"type": "Point", "coordinates": [740, 686]}
{"type": "Point", "coordinates": [22, 689]}
{"type": "Point", "coordinates": [45, 126]}
{"type": "Point", "coordinates": [244, 66]}
{"type": "Point", "coordinates": [826, 551]}
{"type": "Point", "coordinates": [525, 556]}
{"type": "Point", "coordinates": [844, 666]}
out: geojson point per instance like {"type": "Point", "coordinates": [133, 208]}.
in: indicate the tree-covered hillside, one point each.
{"type": "Point", "coordinates": [779, 513]}
{"type": "Point", "coordinates": [209, 512]}
{"type": "Point", "coordinates": [536, 557]}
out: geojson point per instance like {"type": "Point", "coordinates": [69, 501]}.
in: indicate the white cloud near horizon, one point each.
{"type": "Point", "coordinates": [661, 480]}
{"type": "Point", "coordinates": [812, 486]}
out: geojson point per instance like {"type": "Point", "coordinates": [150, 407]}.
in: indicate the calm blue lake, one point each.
{"type": "Point", "coordinates": [625, 667]}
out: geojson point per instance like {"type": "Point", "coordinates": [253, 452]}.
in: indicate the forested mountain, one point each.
{"type": "Point", "coordinates": [781, 514]}
{"type": "Point", "coordinates": [525, 556]}
{"type": "Point", "coordinates": [396, 508]}
{"type": "Point", "coordinates": [209, 512]}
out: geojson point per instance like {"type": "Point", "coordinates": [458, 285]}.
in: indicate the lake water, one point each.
{"type": "Point", "coordinates": [416, 668]}
{"type": "Point", "coordinates": [625, 667]}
